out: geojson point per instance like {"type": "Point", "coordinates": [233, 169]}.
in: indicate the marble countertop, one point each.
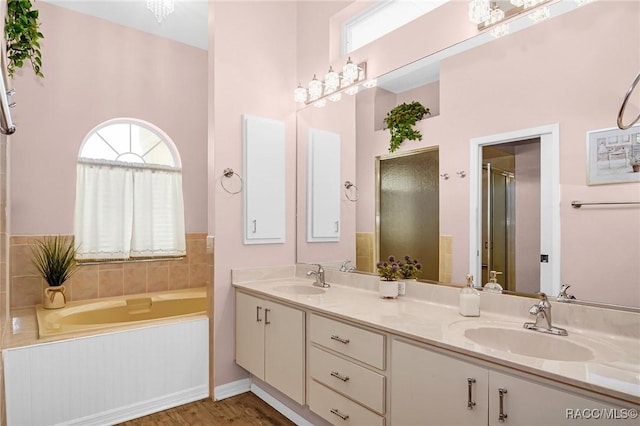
{"type": "Point", "coordinates": [613, 371]}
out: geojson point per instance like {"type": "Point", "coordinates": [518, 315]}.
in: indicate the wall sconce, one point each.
{"type": "Point", "coordinates": [334, 85]}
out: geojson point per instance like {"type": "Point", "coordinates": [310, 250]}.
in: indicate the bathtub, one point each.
{"type": "Point", "coordinates": [96, 314]}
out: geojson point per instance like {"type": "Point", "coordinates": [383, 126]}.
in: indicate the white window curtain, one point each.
{"type": "Point", "coordinates": [123, 212]}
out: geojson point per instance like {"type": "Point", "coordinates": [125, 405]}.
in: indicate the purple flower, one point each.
{"type": "Point", "coordinates": [407, 258]}
{"type": "Point", "coordinates": [394, 268]}
{"type": "Point", "coordinates": [379, 265]}
{"type": "Point", "coordinates": [392, 259]}
{"type": "Point", "coordinates": [418, 265]}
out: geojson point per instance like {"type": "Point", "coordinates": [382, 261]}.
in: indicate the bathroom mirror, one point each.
{"type": "Point", "coordinates": [569, 71]}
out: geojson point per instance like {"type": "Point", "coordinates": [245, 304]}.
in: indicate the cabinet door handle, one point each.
{"type": "Point", "coordinates": [502, 415]}
{"type": "Point", "coordinates": [255, 226]}
{"type": "Point", "coordinates": [339, 339]}
{"type": "Point", "coordinates": [470, 402]}
{"type": "Point", "coordinates": [258, 308]}
{"type": "Point", "coordinates": [337, 223]}
{"type": "Point", "coordinates": [266, 319]}
{"type": "Point", "coordinates": [339, 414]}
{"type": "Point", "coordinates": [340, 376]}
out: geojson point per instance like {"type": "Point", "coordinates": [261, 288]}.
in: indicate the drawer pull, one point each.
{"type": "Point", "coordinates": [470, 402]}
{"type": "Point", "coordinates": [339, 339]}
{"type": "Point", "coordinates": [502, 415]}
{"type": "Point", "coordinates": [339, 414]}
{"type": "Point", "coordinates": [340, 376]}
{"type": "Point", "coordinates": [258, 308]}
{"type": "Point", "coordinates": [266, 319]}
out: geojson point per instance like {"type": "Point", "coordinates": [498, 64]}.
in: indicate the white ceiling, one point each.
{"type": "Point", "coordinates": [187, 24]}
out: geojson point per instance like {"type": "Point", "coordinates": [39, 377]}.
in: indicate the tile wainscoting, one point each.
{"type": "Point", "coordinates": [116, 279]}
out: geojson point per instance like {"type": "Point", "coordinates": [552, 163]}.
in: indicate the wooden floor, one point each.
{"type": "Point", "coordinates": [245, 409]}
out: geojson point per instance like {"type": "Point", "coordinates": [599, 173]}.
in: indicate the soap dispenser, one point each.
{"type": "Point", "coordinates": [469, 300]}
{"type": "Point", "coordinates": [492, 286]}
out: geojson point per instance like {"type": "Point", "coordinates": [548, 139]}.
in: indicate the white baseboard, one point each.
{"type": "Point", "coordinates": [279, 406]}
{"type": "Point", "coordinates": [140, 409]}
{"type": "Point", "coordinates": [231, 389]}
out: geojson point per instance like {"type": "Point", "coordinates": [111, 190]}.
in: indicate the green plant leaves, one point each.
{"type": "Point", "coordinates": [54, 257]}
{"type": "Point", "coordinates": [401, 120]}
{"type": "Point", "coordinates": [21, 31]}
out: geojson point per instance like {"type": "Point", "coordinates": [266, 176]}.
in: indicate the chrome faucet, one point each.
{"type": "Point", "coordinates": [319, 274]}
{"type": "Point", "coordinates": [542, 311]}
{"type": "Point", "coordinates": [346, 268]}
{"type": "Point", "coordinates": [563, 296]}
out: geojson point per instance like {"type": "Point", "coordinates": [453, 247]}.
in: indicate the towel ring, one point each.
{"type": "Point", "coordinates": [348, 192]}
{"type": "Point", "coordinates": [624, 105]}
{"type": "Point", "coordinates": [228, 173]}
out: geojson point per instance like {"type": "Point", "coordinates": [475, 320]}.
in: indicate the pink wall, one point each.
{"type": "Point", "coordinates": [252, 52]}
{"type": "Point", "coordinates": [94, 71]}
{"type": "Point", "coordinates": [564, 71]}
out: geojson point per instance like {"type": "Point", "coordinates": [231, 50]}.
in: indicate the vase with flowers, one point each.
{"type": "Point", "coordinates": [408, 271]}
{"type": "Point", "coordinates": [388, 272]}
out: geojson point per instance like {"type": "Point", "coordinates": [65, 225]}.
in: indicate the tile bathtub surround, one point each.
{"type": "Point", "coordinates": [116, 279]}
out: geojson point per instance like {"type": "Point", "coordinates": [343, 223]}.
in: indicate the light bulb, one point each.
{"type": "Point", "coordinates": [479, 11]}
{"type": "Point", "coordinates": [331, 81]}
{"type": "Point", "coordinates": [350, 72]}
{"type": "Point", "coordinates": [315, 89]}
{"type": "Point", "coordinates": [300, 94]}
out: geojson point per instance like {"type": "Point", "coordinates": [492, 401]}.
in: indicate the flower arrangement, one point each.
{"type": "Point", "coordinates": [388, 271]}
{"type": "Point", "coordinates": [409, 269]}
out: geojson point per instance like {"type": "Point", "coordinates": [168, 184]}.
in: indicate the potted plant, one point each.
{"type": "Point", "coordinates": [635, 163]}
{"type": "Point", "coordinates": [400, 121]}
{"type": "Point", "coordinates": [21, 30]}
{"type": "Point", "coordinates": [388, 285]}
{"type": "Point", "coordinates": [54, 257]}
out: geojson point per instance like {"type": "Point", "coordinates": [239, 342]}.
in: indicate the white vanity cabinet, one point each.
{"type": "Point", "coordinates": [429, 387]}
{"type": "Point", "coordinates": [346, 373]}
{"type": "Point", "coordinates": [270, 343]}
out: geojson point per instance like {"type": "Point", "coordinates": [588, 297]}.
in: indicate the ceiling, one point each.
{"type": "Point", "coordinates": [187, 24]}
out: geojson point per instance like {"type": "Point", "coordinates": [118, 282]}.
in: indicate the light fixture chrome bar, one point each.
{"type": "Point", "coordinates": [362, 77]}
{"type": "Point", "coordinates": [512, 13]}
{"type": "Point", "coordinates": [577, 204]}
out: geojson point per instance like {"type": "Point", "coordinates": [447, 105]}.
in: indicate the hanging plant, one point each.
{"type": "Point", "coordinates": [21, 31]}
{"type": "Point", "coordinates": [400, 121]}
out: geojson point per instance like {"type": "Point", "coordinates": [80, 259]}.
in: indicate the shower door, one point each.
{"type": "Point", "coordinates": [498, 225]}
{"type": "Point", "coordinates": [408, 208]}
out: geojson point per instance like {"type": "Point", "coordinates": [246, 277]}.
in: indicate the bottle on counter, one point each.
{"type": "Point", "coordinates": [469, 300]}
{"type": "Point", "coordinates": [492, 286]}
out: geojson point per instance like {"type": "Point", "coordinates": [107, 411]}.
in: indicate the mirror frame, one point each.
{"type": "Point", "coordinates": [549, 200]}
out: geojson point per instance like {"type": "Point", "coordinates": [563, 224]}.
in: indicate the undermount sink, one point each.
{"type": "Point", "coordinates": [298, 289]}
{"type": "Point", "coordinates": [529, 343]}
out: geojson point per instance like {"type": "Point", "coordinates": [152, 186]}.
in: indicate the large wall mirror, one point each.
{"type": "Point", "coordinates": [570, 73]}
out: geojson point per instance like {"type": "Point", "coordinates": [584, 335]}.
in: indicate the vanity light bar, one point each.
{"type": "Point", "coordinates": [334, 85]}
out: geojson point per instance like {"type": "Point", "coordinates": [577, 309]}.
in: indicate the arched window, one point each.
{"type": "Point", "coordinates": [129, 200]}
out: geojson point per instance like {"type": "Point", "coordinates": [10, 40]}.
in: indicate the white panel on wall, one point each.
{"type": "Point", "coordinates": [323, 186]}
{"type": "Point", "coordinates": [108, 378]}
{"type": "Point", "coordinates": [264, 189]}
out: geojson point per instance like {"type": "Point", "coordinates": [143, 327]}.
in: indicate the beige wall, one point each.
{"type": "Point", "coordinates": [115, 279]}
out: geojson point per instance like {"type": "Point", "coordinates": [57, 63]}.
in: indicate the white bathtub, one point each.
{"type": "Point", "coordinates": [96, 314]}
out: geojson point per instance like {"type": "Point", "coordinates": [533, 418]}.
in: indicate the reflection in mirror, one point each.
{"type": "Point", "coordinates": [408, 209]}
{"type": "Point", "coordinates": [510, 195]}
{"type": "Point", "coordinates": [570, 71]}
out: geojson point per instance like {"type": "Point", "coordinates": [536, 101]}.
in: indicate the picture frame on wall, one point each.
{"type": "Point", "coordinates": [613, 156]}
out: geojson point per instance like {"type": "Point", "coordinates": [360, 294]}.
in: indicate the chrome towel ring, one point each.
{"type": "Point", "coordinates": [624, 105]}
{"type": "Point", "coordinates": [350, 191]}
{"type": "Point", "coordinates": [228, 173]}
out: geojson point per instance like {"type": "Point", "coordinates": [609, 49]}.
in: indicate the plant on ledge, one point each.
{"type": "Point", "coordinates": [388, 271]}
{"type": "Point", "coordinates": [409, 269]}
{"type": "Point", "coordinates": [21, 30]}
{"type": "Point", "coordinates": [401, 120]}
{"type": "Point", "coordinates": [54, 259]}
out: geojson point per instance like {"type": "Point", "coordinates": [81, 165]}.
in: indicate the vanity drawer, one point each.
{"type": "Point", "coordinates": [338, 410]}
{"type": "Point", "coordinates": [359, 383]}
{"type": "Point", "coordinates": [363, 345]}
